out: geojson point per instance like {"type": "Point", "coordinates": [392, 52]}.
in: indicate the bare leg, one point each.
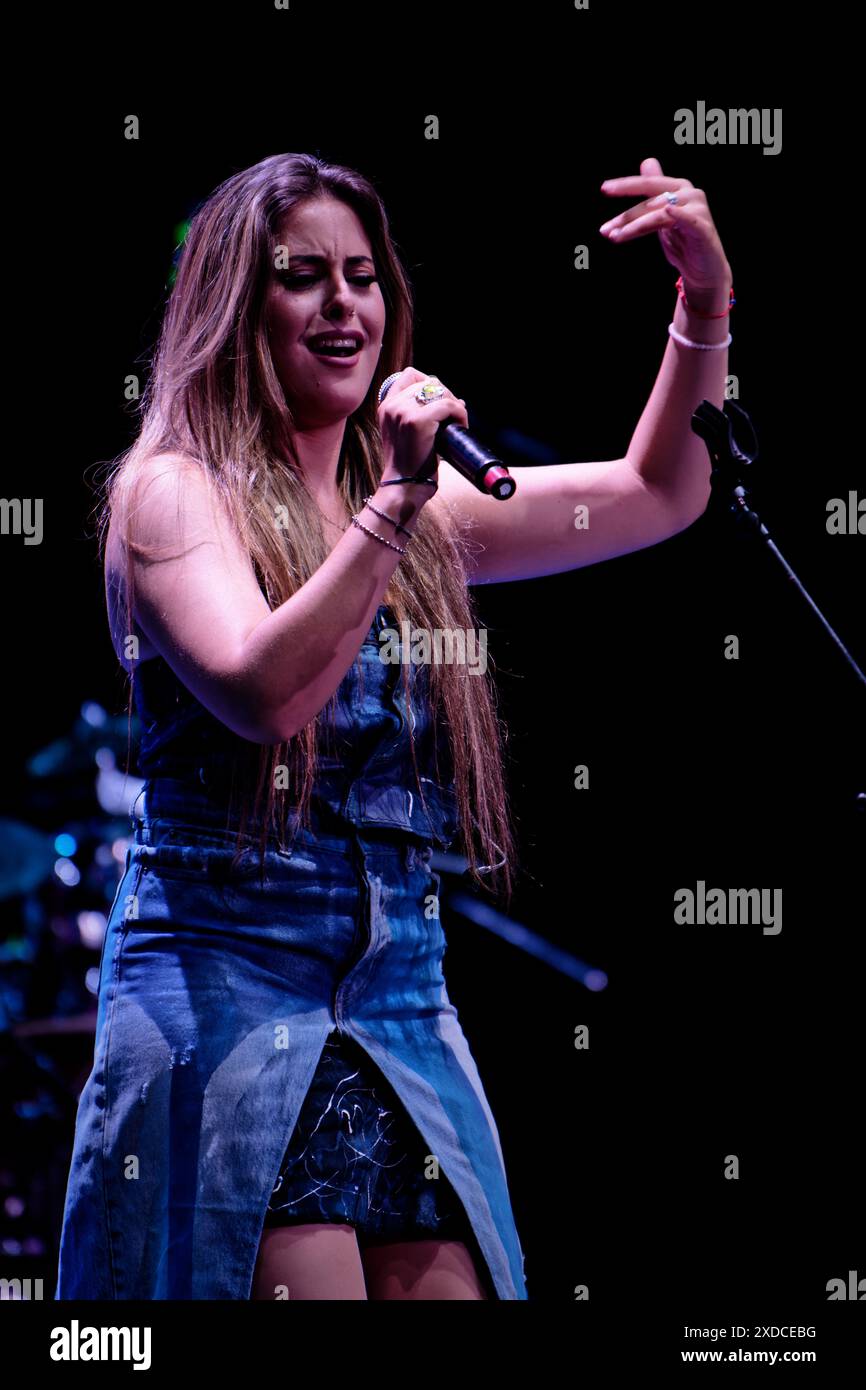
{"type": "Point", "coordinates": [421, 1269]}
{"type": "Point", "coordinates": [315, 1261]}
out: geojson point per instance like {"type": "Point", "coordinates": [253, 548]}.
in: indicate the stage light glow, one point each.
{"type": "Point", "coordinates": [93, 714]}
{"type": "Point", "coordinates": [66, 845]}
{"type": "Point", "coordinates": [91, 928]}
{"type": "Point", "coordinates": [67, 872]}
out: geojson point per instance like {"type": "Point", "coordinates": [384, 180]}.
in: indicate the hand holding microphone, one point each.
{"type": "Point", "coordinates": [417, 424]}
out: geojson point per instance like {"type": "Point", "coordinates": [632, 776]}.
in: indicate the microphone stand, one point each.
{"type": "Point", "coordinates": [733, 446]}
{"type": "Point", "coordinates": [465, 905]}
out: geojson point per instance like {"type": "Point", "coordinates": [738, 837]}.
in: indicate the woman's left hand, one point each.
{"type": "Point", "coordinates": [686, 229]}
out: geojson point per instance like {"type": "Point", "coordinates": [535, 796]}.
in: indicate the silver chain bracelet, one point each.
{"type": "Point", "coordinates": [368, 502]}
{"type": "Point", "coordinates": [376, 537]}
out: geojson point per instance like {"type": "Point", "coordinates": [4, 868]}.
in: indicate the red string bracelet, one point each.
{"type": "Point", "coordinates": [698, 312]}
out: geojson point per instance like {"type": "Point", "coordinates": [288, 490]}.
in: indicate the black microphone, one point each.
{"type": "Point", "coordinates": [476, 462]}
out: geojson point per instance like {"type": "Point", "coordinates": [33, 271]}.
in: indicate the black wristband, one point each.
{"type": "Point", "coordinates": [431, 482]}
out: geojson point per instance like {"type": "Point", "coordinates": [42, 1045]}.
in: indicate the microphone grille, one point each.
{"type": "Point", "coordinates": [386, 385]}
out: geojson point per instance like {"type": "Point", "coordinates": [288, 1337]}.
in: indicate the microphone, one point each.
{"type": "Point", "coordinates": [476, 462]}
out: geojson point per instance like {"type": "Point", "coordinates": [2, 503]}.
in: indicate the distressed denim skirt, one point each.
{"type": "Point", "coordinates": [273, 1050]}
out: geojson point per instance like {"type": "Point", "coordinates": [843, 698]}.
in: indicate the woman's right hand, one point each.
{"type": "Point", "coordinates": [408, 428]}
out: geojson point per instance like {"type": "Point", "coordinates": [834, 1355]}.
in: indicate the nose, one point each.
{"type": "Point", "coordinates": [340, 304]}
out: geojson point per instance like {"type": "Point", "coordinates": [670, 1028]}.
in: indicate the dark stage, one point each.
{"type": "Point", "coordinates": [681, 1140]}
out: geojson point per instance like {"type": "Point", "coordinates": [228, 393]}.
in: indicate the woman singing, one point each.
{"type": "Point", "coordinates": [282, 1102]}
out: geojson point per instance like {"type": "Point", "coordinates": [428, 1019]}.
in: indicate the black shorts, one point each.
{"type": "Point", "coordinates": [357, 1157]}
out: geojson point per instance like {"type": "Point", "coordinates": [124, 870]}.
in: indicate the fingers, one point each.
{"type": "Point", "coordinates": [406, 378]}
{"type": "Point", "coordinates": [651, 222]}
{"type": "Point", "coordinates": [646, 184]}
{"type": "Point", "coordinates": [448, 405]}
{"type": "Point", "coordinates": [650, 215]}
{"type": "Point", "coordinates": [413, 377]}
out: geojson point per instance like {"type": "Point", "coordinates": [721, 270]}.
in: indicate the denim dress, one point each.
{"type": "Point", "coordinates": [280, 1047]}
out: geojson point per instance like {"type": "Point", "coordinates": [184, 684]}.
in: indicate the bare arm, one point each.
{"type": "Point", "coordinates": [263, 673]}
{"type": "Point", "coordinates": [660, 487]}
{"type": "Point", "coordinates": [664, 449]}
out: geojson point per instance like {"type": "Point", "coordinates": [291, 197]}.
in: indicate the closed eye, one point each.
{"type": "Point", "coordinates": [297, 281]}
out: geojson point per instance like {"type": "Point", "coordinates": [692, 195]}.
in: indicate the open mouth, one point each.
{"type": "Point", "coordinates": [336, 347]}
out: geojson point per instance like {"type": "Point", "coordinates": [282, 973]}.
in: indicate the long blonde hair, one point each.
{"type": "Point", "coordinates": [214, 396]}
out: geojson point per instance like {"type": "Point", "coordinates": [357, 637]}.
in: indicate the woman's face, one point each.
{"type": "Point", "coordinates": [329, 285]}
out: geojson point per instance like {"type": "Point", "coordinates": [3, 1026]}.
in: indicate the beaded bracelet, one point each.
{"type": "Point", "coordinates": [368, 502]}
{"type": "Point", "coordinates": [376, 537]}
{"type": "Point", "coordinates": [702, 347]}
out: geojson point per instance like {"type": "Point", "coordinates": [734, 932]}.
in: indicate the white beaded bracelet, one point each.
{"type": "Point", "coordinates": [704, 347]}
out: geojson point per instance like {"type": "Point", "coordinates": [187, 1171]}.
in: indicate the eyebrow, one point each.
{"type": "Point", "coordinates": [322, 260]}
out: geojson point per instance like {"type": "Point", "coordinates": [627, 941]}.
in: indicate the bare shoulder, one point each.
{"type": "Point", "coordinates": [161, 496]}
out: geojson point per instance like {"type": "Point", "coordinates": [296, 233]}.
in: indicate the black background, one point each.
{"type": "Point", "coordinates": [709, 1041]}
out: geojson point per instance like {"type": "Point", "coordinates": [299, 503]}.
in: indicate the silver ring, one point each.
{"type": "Point", "coordinates": [429, 390]}
{"type": "Point", "coordinates": [671, 197]}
